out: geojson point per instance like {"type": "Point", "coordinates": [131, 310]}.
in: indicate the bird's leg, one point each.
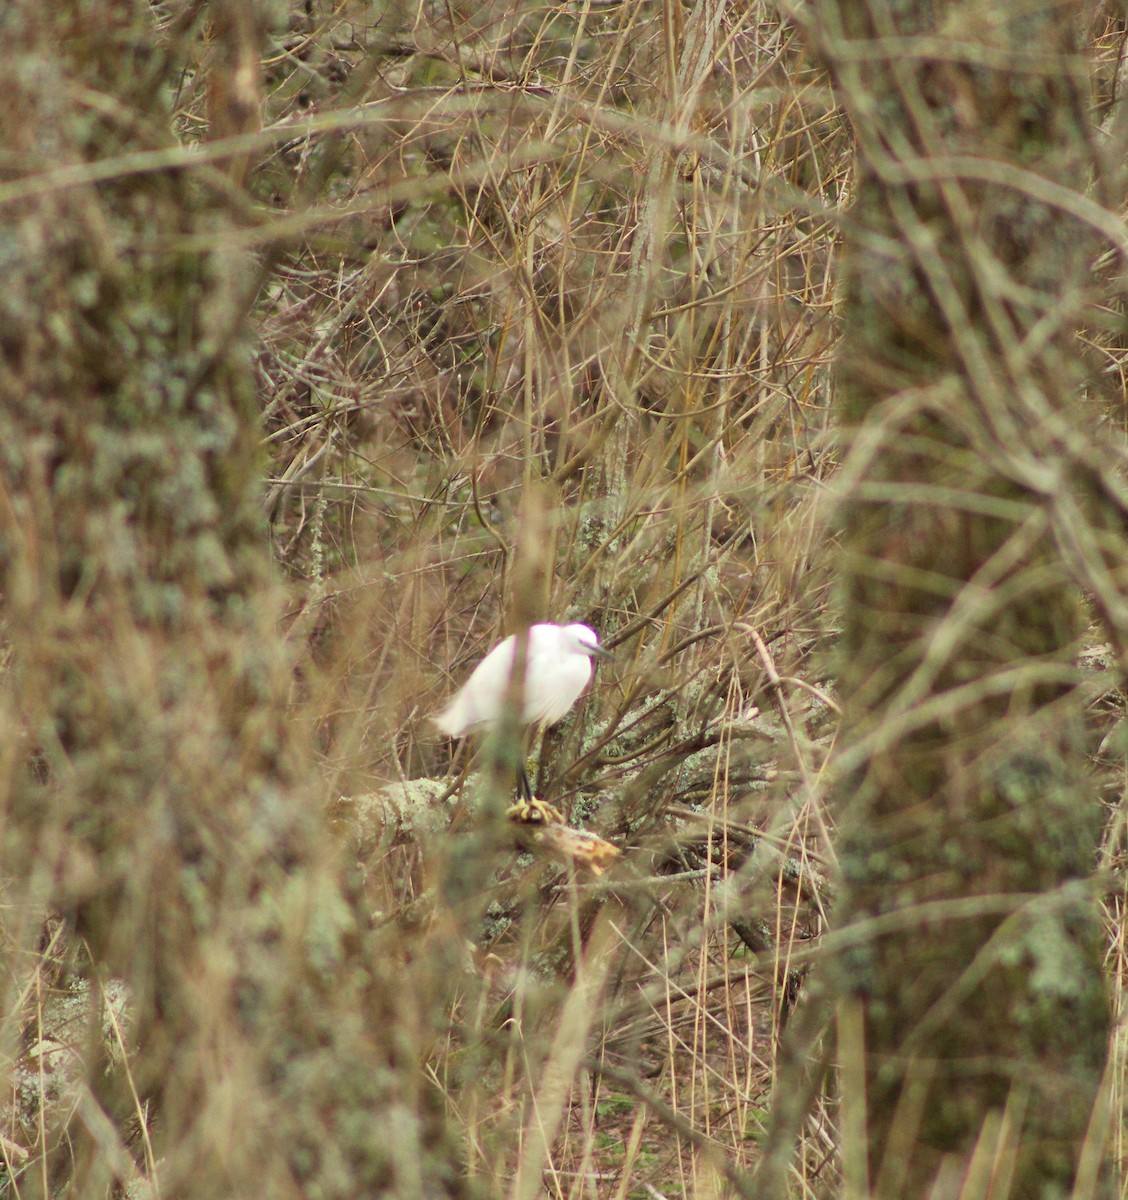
{"type": "Point", "coordinates": [529, 810]}
{"type": "Point", "coordinates": [524, 784]}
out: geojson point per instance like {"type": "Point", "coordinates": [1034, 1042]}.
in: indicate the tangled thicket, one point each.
{"type": "Point", "coordinates": [542, 303]}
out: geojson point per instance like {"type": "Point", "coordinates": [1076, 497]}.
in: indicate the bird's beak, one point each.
{"type": "Point", "coordinates": [599, 652]}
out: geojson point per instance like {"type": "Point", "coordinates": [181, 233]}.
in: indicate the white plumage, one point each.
{"type": "Point", "coordinates": [557, 669]}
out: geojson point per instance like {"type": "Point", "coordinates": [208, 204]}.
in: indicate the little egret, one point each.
{"type": "Point", "coordinates": [557, 669]}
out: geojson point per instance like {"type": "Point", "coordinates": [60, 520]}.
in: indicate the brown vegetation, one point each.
{"type": "Point", "coordinates": [449, 318]}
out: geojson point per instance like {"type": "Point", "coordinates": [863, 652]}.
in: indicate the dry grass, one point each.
{"type": "Point", "coordinates": [611, 278]}
{"type": "Point", "coordinates": [546, 330]}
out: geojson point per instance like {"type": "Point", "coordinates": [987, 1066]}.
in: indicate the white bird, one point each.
{"type": "Point", "coordinates": [557, 669]}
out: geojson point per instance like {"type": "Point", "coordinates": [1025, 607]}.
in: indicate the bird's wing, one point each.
{"type": "Point", "coordinates": [478, 701]}
{"type": "Point", "coordinates": [554, 685]}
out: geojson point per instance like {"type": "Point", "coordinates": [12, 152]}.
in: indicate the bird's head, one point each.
{"type": "Point", "coordinates": [586, 641]}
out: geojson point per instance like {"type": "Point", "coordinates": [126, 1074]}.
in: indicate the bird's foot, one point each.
{"type": "Point", "coordinates": [534, 812]}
